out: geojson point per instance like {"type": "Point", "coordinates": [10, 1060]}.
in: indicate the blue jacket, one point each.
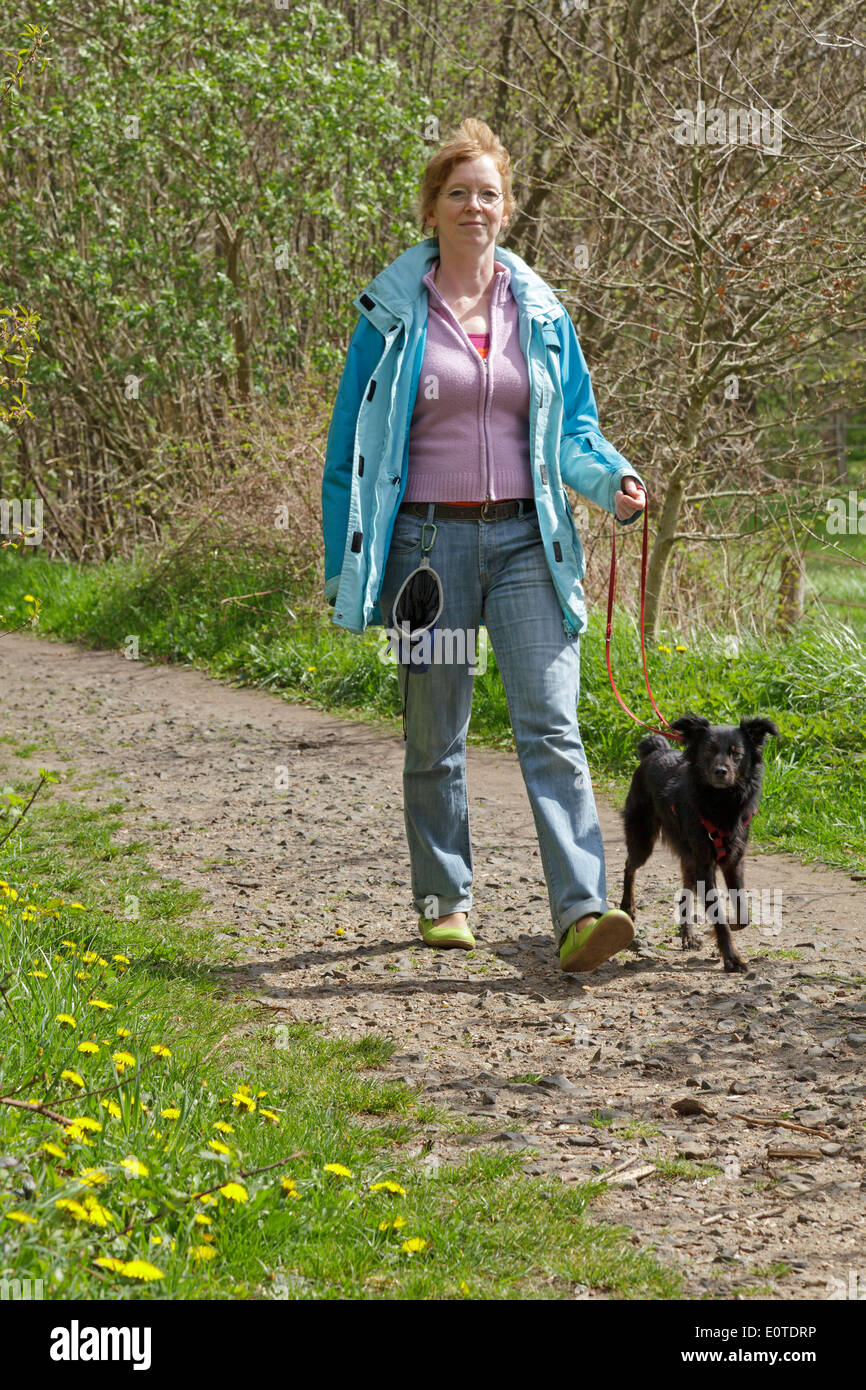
{"type": "Point", "coordinates": [367, 455]}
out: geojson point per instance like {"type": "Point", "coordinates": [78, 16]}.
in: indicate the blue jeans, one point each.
{"type": "Point", "coordinates": [495, 573]}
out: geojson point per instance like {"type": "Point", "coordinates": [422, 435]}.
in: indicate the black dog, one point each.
{"type": "Point", "coordinates": [702, 801]}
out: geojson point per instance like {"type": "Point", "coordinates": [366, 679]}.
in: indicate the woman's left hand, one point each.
{"type": "Point", "coordinates": [632, 499]}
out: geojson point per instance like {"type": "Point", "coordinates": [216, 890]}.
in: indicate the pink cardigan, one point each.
{"type": "Point", "coordinates": [469, 434]}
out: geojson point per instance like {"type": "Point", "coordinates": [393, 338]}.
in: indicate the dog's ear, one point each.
{"type": "Point", "coordinates": [691, 726]}
{"type": "Point", "coordinates": [757, 731]}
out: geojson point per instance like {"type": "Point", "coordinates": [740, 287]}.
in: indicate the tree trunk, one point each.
{"type": "Point", "coordinates": [792, 583]}
{"type": "Point", "coordinates": [660, 556]}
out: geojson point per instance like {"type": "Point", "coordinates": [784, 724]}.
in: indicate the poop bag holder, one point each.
{"type": "Point", "coordinates": [414, 615]}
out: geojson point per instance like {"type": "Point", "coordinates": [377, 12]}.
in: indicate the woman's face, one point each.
{"type": "Point", "coordinates": [468, 211]}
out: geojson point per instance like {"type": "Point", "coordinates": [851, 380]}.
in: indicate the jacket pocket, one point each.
{"type": "Point", "coordinates": [551, 341]}
{"type": "Point", "coordinates": [406, 535]}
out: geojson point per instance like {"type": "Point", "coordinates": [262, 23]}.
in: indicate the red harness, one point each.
{"type": "Point", "coordinates": [719, 837]}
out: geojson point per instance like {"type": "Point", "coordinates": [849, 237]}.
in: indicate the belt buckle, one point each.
{"type": "Point", "coordinates": [484, 505]}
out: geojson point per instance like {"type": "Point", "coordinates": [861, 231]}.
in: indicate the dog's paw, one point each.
{"type": "Point", "coordinates": [690, 941]}
{"type": "Point", "coordinates": [735, 965]}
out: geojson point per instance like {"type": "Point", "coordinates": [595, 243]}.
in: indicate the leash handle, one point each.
{"type": "Point", "coordinates": [611, 589]}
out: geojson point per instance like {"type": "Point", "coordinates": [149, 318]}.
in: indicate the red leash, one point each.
{"type": "Point", "coordinates": [610, 594]}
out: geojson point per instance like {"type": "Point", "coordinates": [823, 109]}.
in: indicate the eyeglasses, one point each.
{"type": "Point", "coordinates": [488, 197]}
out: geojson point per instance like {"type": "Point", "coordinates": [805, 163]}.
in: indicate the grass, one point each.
{"type": "Point", "coordinates": [813, 684]}
{"type": "Point", "coordinates": [684, 1169]}
{"type": "Point", "coordinates": [187, 1151]}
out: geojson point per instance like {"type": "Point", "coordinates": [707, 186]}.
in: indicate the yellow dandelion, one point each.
{"type": "Point", "coordinates": [339, 1169]}
{"type": "Point", "coordinates": [235, 1192]}
{"type": "Point", "coordinates": [24, 1217]}
{"type": "Point", "coordinates": [124, 1033]}
{"type": "Point", "coordinates": [122, 960]}
{"type": "Point", "coordinates": [208, 1237]}
{"type": "Point", "coordinates": [76, 1132]}
{"type": "Point", "coordinates": [74, 1208]}
{"type": "Point", "coordinates": [49, 1148]}
{"type": "Point", "coordinates": [160, 1050]}
{"type": "Point", "coordinates": [82, 974]}
{"type": "Point", "coordinates": [395, 1224]}
{"type": "Point", "coordinates": [207, 1199]}
{"type": "Point", "coordinates": [100, 960]}
{"type": "Point", "coordinates": [122, 1060]}
{"type": "Point", "coordinates": [109, 1262]}
{"type": "Point", "coordinates": [66, 1020]}
{"type": "Point", "coordinates": [388, 1186]}
{"type": "Point", "coordinates": [102, 1004]}
{"type": "Point", "coordinates": [202, 1220]}
{"type": "Point", "coordinates": [171, 1112]}
{"type": "Point", "coordinates": [94, 1177]}
{"type": "Point", "coordinates": [97, 1214]}
{"type": "Point", "coordinates": [135, 1166]}
{"type": "Point", "coordinates": [664, 649]}
{"type": "Point", "coordinates": [70, 945]}
{"type": "Point", "coordinates": [80, 906]}
{"type": "Point", "coordinates": [269, 1115]}
{"type": "Point", "coordinates": [288, 1184]}
{"type": "Point", "coordinates": [681, 648]}
{"type": "Point", "coordinates": [224, 1126]}
{"type": "Point", "coordinates": [339, 931]}
{"type": "Point", "coordinates": [112, 1107]}
{"type": "Point", "coordinates": [141, 1269]}
{"type": "Point", "coordinates": [202, 1252]}
{"type": "Point", "coordinates": [89, 957]}
{"type": "Point", "coordinates": [411, 1247]}
{"type": "Point", "coordinates": [242, 1101]}
{"type": "Point", "coordinates": [87, 1046]}
{"type": "Point", "coordinates": [217, 1147]}
{"type": "Point", "coordinates": [73, 1077]}
{"type": "Point", "coordinates": [37, 974]}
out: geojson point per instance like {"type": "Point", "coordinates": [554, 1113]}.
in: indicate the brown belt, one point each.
{"type": "Point", "coordinates": [475, 511]}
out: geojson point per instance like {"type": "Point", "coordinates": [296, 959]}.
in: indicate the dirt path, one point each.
{"type": "Point", "coordinates": [285, 870]}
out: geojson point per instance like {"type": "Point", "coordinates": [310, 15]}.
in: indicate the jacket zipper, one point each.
{"type": "Point", "coordinates": [486, 364]}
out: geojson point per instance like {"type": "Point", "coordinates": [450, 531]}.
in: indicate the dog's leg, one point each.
{"type": "Point", "coordinates": [627, 903]}
{"type": "Point", "coordinates": [641, 832]}
{"type": "Point", "coordinates": [735, 883]}
{"type": "Point", "coordinates": [686, 898]}
{"type": "Point", "coordinates": [715, 907]}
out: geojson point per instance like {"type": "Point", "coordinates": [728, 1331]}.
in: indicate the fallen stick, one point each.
{"type": "Point", "coordinates": [618, 1168]}
{"type": "Point", "coordinates": [36, 1109]}
{"type": "Point", "coordinates": [632, 1174]}
{"type": "Point", "coordinates": [784, 1124]}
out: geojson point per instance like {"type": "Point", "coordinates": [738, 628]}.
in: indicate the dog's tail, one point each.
{"type": "Point", "coordinates": [653, 743]}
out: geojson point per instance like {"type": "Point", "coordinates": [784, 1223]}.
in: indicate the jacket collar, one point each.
{"type": "Point", "coordinates": [394, 293]}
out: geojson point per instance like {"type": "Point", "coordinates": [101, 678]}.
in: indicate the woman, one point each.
{"type": "Point", "coordinates": [464, 405]}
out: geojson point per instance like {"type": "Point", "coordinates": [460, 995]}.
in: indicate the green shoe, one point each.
{"type": "Point", "coordinates": [597, 941]}
{"type": "Point", "coordinates": [443, 937]}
